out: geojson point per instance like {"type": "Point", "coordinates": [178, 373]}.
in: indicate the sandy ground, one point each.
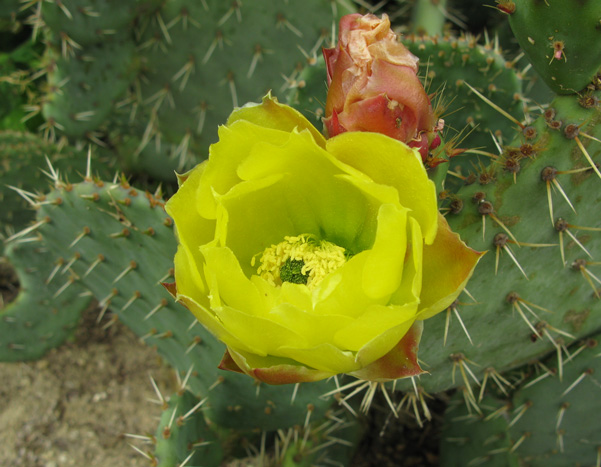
{"type": "Point", "coordinates": [74, 406]}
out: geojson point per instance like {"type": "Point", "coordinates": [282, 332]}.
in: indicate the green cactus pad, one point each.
{"type": "Point", "coordinates": [560, 423]}
{"type": "Point", "coordinates": [22, 162]}
{"type": "Point", "coordinates": [561, 39]}
{"type": "Point", "coordinates": [84, 88]}
{"type": "Point", "coordinates": [449, 65]}
{"type": "Point", "coordinates": [549, 417]}
{"type": "Point", "coordinates": [529, 306]}
{"type": "Point", "coordinates": [202, 59]}
{"type": "Point", "coordinates": [332, 440]}
{"type": "Point", "coordinates": [47, 308]}
{"type": "Point", "coordinates": [308, 92]}
{"type": "Point", "coordinates": [92, 22]}
{"type": "Point", "coordinates": [472, 438]}
{"type": "Point", "coordinates": [49, 305]}
{"type": "Point", "coordinates": [183, 435]}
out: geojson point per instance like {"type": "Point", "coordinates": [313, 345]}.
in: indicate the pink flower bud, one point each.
{"type": "Point", "coordinates": [373, 85]}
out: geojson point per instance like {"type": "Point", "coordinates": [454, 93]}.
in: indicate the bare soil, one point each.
{"type": "Point", "coordinates": [73, 407]}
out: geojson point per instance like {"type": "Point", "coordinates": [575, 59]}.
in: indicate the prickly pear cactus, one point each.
{"type": "Point", "coordinates": [554, 412]}
{"type": "Point", "coordinates": [150, 81]}
{"type": "Point", "coordinates": [471, 437]}
{"type": "Point", "coordinates": [308, 91]}
{"type": "Point", "coordinates": [203, 59]}
{"type": "Point", "coordinates": [89, 63]}
{"type": "Point", "coordinates": [75, 25]}
{"type": "Point", "coordinates": [84, 89]}
{"type": "Point", "coordinates": [45, 312]}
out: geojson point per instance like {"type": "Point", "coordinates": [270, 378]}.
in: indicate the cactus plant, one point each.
{"type": "Point", "coordinates": [45, 312]}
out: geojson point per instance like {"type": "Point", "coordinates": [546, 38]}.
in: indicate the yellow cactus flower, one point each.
{"type": "Point", "coordinates": [309, 258]}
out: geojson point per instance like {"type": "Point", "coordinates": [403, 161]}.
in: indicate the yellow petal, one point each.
{"type": "Point", "coordinates": [297, 295]}
{"type": "Point", "coordinates": [227, 282]}
{"type": "Point", "coordinates": [183, 207]}
{"type": "Point", "coordinates": [263, 336]}
{"type": "Point", "coordinates": [324, 357]}
{"type": "Point", "coordinates": [192, 230]}
{"type": "Point", "coordinates": [384, 266]}
{"type": "Point", "coordinates": [411, 284]}
{"type": "Point", "coordinates": [362, 334]}
{"type": "Point", "coordinates": [187, 275]}
{"type": "Point", "coordinates": [210, 321]}
{"type": "Point", "coordinates": [271, 114]}
{"type": "Point", "coordinates": [343, 290]}
{"type": "Point", "coordinates": [260, 213]}
{"type": "Point", "coordinates": [393, 163]}
{"type": "Point", "coordinates": [312, 197]}
{"type": "Point", "coordinates": [221, 172]}
{"type": "Point", "coordinates": [371, 276]}
{"type": "Point", "coordinates": [316, 329]}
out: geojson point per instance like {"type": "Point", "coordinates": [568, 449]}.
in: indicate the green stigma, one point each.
{"type": "Point", "coordinates": [291, 271]}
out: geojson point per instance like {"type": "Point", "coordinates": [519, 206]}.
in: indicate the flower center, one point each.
{"type": "Point", "coordinates": [300, 260]}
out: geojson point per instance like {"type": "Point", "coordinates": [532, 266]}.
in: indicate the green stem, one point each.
{"type": "Point", "coordinates": [428, 17]}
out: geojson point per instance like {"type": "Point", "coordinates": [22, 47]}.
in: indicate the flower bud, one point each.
{"type": "Point", "coordinates": [373, 85]}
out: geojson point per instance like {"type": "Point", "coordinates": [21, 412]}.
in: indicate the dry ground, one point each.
{"type": "Point", "coordinates": [73, 407]}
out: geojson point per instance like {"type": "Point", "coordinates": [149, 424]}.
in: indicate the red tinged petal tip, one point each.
{"type": "Point", "coordinates": [171, 288]}
{"type": "Point", "coordinates": [280, 373]}
{"type": "Point", "coordinates": [228, 363]}
{"type": "Point", "coordinates": [400, 362]}
{"type": "Point", "coordinates": [288, 374]}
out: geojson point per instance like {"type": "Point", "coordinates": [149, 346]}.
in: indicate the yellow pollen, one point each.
{"type": "Point", "coordinates": [319, 257]}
